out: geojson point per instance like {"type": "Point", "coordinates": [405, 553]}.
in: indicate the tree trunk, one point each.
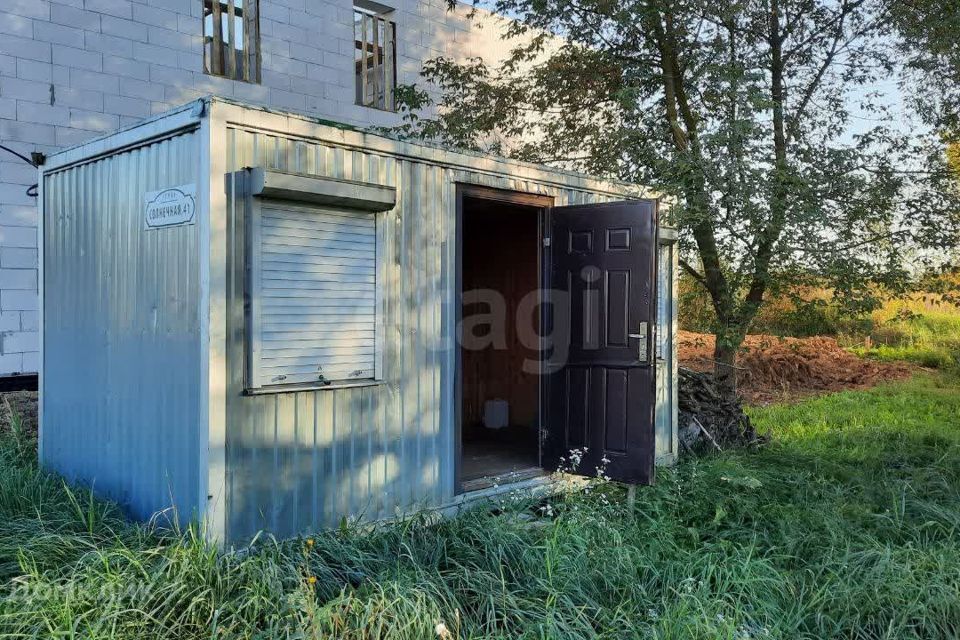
{"type": "Point", "coordinates": [725, 361]}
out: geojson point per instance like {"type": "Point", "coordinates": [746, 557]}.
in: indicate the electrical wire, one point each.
{"type": "Point", "coordinates": [19, 155]}
{"type": "Point", "coordinates": [32, 190]}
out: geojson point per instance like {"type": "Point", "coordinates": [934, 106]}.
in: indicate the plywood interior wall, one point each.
{"type": "Point", "coordinates": [500, 255]}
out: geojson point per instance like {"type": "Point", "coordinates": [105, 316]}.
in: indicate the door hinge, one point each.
{"type": "Point", "coordinates": [546, 241]}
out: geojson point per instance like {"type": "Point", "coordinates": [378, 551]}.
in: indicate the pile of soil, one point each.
{"type": "Point", "coordinates": [22, 404]}
{"type": "Point", "coordinates": [707, 420]}
{"type": "Point", "coordinates": [772, 368]}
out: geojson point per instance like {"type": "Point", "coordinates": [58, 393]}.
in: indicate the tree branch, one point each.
{"type": "Point", "coordinates": [855, 245]}
{"type": "Point", "coordinates": [696, 275]}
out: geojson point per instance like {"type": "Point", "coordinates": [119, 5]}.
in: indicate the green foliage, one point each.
{"type": "Point", "coordinates": [930, 41]}
{"type": "Point", "coordinates": [810, 313]}
{"type": "Point", "coordinates": [930, 338]}
{"type": "Point", "coordinates": [765, 120]}
{"type": "Point", "coordinates": [923, 328]}
{"type": "Point", "coordinates": [846, 526]}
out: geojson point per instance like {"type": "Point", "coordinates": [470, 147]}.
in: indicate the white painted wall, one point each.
{"type": "Point", "coordinates": [73, 69]}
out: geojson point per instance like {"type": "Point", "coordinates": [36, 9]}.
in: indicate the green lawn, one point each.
{"type": "Point", "coordinates": [847, 526]}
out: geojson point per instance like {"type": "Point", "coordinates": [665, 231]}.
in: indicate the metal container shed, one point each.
{"type": "Point", "coordinates": [179, 350]}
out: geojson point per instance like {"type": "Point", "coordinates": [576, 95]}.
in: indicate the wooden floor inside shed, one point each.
{"type": "Point", "coordinates": [499, 455]}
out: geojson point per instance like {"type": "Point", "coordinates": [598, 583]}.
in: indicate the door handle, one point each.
{"type": "Point", "coordinates": [643, 339]}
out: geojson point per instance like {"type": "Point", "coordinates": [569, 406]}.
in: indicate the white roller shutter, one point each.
{"type": "Point", "coordinates": [314, 295]}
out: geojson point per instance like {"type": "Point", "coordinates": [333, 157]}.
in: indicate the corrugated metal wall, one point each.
{"type": "Point", "coordinates": [303, 460]}
{"type": "Point", "coordinates": [666, 411]}
{"type": "Point", "coordinates": [121, 370]}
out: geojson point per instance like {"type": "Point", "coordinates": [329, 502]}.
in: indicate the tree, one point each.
{"type": "Point", "coordinates": [751, 114]}
{"type": "Point", "coordinates": [930, 43]}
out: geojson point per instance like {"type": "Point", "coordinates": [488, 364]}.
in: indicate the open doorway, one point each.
{"type": "Point", "coordinates": [500, 275]}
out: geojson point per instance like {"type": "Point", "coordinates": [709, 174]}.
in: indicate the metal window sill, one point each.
{"type": "Point", "coordinates": [310, 386]}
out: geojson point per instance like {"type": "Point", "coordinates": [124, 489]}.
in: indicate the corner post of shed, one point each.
{"type": "Point", "coordinates": [213, 323]}
{"type": "Point", "coordinates": [669, 283]}
{"type": "Point", "coordinates": [41, 205]}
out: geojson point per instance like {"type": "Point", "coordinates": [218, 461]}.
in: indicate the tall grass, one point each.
{"type": "Point", "coordinates": [846, 527]}
{"type": "Point", "coordinates": [915, 330]}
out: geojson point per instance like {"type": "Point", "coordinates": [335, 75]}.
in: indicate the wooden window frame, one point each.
{"type": "Point", "coordinates": [215, 63]}
{"type": "Point", "coordinates": [376, 55]}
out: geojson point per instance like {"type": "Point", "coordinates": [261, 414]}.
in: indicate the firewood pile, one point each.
{"type": "Point", "coordinates": [709, 421]}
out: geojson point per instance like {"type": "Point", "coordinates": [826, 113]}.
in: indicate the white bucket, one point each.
{"type": "Point", "coordinates": [496, 414]}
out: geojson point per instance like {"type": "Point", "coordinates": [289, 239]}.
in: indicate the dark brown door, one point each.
{"type": "Point", "coordinates": [600, 385]}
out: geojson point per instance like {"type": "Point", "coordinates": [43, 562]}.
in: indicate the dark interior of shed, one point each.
{"type": "Point", "coordinates": [499, 358]}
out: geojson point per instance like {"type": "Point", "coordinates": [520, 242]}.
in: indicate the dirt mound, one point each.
{"type": "Point", "coordinates": [771, 368]}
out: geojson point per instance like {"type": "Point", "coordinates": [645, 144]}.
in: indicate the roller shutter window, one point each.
{"type": "Point", "coordinates": [314, 282]}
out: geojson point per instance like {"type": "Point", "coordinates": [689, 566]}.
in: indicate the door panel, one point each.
{"type": "Point", "coordinates": [600, 387]}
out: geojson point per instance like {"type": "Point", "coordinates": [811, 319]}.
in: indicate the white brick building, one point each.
{"type": "Point", "coordinates": [73, 69]}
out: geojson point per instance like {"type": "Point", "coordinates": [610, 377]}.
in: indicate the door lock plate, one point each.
{"type": "Point", "coordinates": [641, 339]}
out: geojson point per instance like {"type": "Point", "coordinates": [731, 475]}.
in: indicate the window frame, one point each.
{"type": "Point", "coordinates": [375, 13]}
{"type": "Point", "coordinates": [254, 299]}
{"type": "Point", "coordinates": [217, 65]}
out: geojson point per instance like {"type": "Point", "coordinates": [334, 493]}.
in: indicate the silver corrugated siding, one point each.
{"type": "Point", "coordinates": [303, 460]}
{"type": "Point", "coordinates": [666, 411]}
{"type": "Point", "coordinates": [121, 331]}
